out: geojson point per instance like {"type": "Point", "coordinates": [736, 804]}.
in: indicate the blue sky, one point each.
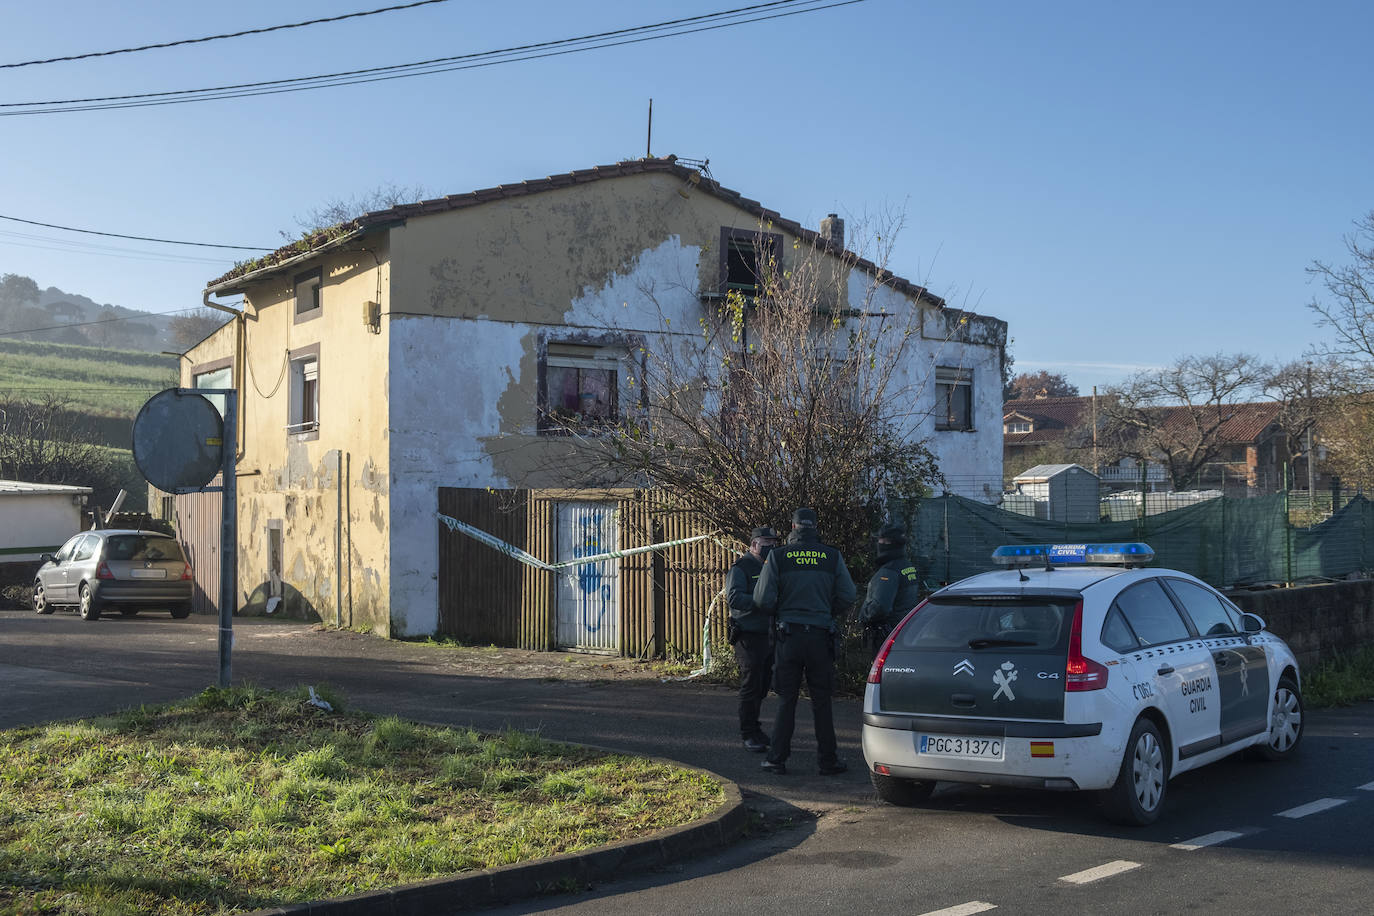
{"type": "Point", "coordinates": [1123, 184]}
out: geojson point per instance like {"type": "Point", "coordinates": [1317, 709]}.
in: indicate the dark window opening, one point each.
{"type": "Point", "coordinates": [954, 399]}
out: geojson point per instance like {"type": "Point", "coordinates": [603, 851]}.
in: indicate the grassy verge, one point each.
{"type": "Point", "coordinates": [245, 799]}
{"type": "Point", "coordinates": [1341, 681]}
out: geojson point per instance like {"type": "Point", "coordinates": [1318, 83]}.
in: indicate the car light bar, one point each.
{"type": "Point", "coordinates": [1128, 554]}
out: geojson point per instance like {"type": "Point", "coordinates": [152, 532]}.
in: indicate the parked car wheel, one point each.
{"type": "Point", "coordinates": [1138, 795]}
{"type": "Point", "coordinates": [41, 604]}
{"type": "Point", "coordinates": [181, 611]}
{"type": "Point", "coordinates": [1285, 728]}
{"type": "Point", "coordinates": [901, 792]}
{"type": "Point", "coordinates": [89, 609]}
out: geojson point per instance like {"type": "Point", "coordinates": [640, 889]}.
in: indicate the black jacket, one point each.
{"type": "Point", "coordinates": [894, 589]}
{"type": "Point", "coordinates": [805, 581]}
{"type": "Point", "coordinates": [739, 592]}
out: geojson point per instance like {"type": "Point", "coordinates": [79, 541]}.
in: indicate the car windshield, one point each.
{"type": "Point", "coordinates": [981, 623]}
{"type": "Point", "coordinates": [141, 547]}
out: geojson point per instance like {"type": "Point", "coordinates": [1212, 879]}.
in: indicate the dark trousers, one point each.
{"type": "Point", "coordinates": [754, 656]}
{"type": "Point", "coordinates": [804, 653]}
{"type": "Point", "coordinates": [875, 634]}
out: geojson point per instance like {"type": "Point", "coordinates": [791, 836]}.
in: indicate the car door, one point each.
{"type": "Point", "coordinates": [1242, 667]}
{"type": "Point", "coordinates": [54, 577]}
{"type": "Point", "coordinates": [1172, 664]}
{"type": "Point", "coordinates": [82, 567]}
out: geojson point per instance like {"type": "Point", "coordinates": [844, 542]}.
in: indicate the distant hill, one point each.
{"type": "Point", "coordinates": [100, 381]}
{"type": "Point", "coordinates": [56, 316]}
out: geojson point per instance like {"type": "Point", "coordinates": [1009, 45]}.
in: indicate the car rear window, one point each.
{"type": "Point", "coordinates": [141, 547]}
{"type": "Point", "coordinates": [964, 623]}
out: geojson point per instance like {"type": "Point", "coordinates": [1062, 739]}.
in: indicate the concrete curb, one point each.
{"type": "Point", "coordinates": [531, 879]}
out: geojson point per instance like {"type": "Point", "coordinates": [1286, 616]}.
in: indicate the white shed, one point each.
{"type": "Point", "coordinates": [36, 518]}
{"type": "Point", "coordinates": [1070, 491]}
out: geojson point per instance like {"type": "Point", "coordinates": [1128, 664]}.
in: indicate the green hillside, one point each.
{"type": "Point", "coordinates": [95, 380]}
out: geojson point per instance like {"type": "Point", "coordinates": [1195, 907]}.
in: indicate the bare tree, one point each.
{"type": "Point", "coordinates": [343, 209]}
{"type": "Point", "coordinates": [1349, 311]}
{"type": "Point", "coordinates": [798, 392]}
{"type": "Point", "coordinates": [1174, 416]}
{"type": "Point", "coordinates": [1042, 384]}
{"type": "Point", "coordinates": [46, 441]}
{"type": "Point", "coordinates": [190, 329]}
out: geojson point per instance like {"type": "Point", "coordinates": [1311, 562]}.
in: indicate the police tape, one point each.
{"type": "Point", "coordinates": [516, 553]}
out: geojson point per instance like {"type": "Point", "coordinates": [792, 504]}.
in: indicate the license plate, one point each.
{"type": "Point", "coordinates": [148, 573]}
{"type": "Point", "coordinates": [970, 747]}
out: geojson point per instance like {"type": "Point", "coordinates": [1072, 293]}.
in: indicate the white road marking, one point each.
{"type": "Point", "coordinates": [1100, 872]}
{"type": "Point", "coordinates": [1321, 804]}
{"type": "Point", "coordinates": [1367, 787]}
{"type": "Point", "coordinates": [963, 909]}
{"type": "Point", "coordinates": [1208, 839]}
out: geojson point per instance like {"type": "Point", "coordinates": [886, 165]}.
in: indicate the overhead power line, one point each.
{"type": "Point", "coordinates": [707, 22]}
{"type": "Point", "coordinates": [136, 238]}
{"type": "Point", "coordinates": [192, 41]}
{"type": "Point", "coordinates": [142, 316]}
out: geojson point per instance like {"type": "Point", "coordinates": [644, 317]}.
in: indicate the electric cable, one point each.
{"type": "Point", "coordinates": [669, 29]}
{"type": "Point", "coordinates": [136, 238]}
{"type": "Point", "coordinates": [192, 41]}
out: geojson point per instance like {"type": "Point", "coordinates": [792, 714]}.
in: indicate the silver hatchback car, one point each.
{"type": "Point", "coordinates": [116, 567]}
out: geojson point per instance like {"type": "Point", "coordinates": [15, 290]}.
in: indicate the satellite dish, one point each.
{"type": "Point", "coordinates": [178, 440]}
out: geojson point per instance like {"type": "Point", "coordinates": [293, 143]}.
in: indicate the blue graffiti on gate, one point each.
{"type": "Point", "coordinates": [596, 593]}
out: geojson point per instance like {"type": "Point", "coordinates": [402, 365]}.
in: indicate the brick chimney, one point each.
{"type": "Point", "coordinates": [832, 230]}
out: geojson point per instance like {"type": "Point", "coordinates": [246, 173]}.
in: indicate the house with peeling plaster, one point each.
{"type": "Point", "coordinates": [425, 348]}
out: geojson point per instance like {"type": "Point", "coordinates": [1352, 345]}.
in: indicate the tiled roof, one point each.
{"type": "Point", "coordinates": [668, 164]}
{"type": "Point", "coordinates": [1055, 417]}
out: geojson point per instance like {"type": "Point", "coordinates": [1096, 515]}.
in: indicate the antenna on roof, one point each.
{"type": "Point", "coordinates": [701, 165]}
{"type": "Point", "coordinates": [649, 140]}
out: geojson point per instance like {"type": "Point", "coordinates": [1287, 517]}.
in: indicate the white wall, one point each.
{"type": "Point", "coordinates": [35, 523]}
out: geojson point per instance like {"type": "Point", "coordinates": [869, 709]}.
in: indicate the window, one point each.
{"type": "Point", "coordinates": [953, 398]}
{"type": "Point", "coordinates": [1116, 634]}
{"type": "Point", "coordinates": [744, 254]}
{"type": "Point", "coordinates": [1151, 614]}
{"type": "Point", "coordinates": [85, 548]}
{"type": "Point", "coordinates": [1210, 616]}
{"type": "Point", "coordinates": [214, 375]}
{"type": "Point", "coordinates": [308, 295]}
{"type": "Point", "coordinates": [961, 623]}
{"type": "Point", "coordinates": [581, 386]}
{"type": "Point", "coordinates": [1016, 426]}
{"type": "Point", "coordinates": [304, 410]}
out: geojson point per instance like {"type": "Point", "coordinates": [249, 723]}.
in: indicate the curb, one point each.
{"type": "Point", "coordinates": [543, 876]}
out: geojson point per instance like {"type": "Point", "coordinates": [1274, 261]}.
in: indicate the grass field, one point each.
{"type": "Point", "coordinates": [245, 799]}
{"type": "Point", "coordinates": [109, 382]}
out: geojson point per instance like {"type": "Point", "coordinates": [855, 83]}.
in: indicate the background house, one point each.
{"type": "Point", "coordinates": [425, 348]}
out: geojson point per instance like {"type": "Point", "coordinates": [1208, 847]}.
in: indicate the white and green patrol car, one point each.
{"type": "Point", "coordinates": [1075, 668]}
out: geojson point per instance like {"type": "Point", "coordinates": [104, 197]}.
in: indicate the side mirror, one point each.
{"type": "Point", "coordinates": [1251, 623]}
{"type": "Point", "coordinates": [46, 558]}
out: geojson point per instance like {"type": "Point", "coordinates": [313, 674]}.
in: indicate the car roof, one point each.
{"type": "Point", "coordinates": [1061, 580]}
{"type": "Point", "coordinates": [143, 531]}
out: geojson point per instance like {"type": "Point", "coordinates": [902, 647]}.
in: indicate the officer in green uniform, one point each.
{"type": "Point", "coordinates": [805, 585]}
{"type": "Point", "coordinates": [749, 634]}
{"type": "Point", "coordinates": [894, 589]}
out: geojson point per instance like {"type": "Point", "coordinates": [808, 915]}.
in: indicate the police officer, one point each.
{"type": "Point", "coordinates": [749, 635]}
{"type": "Point", "coordinates": [806, 585]}
{"type": "Point", "coordinates": [894, 589]}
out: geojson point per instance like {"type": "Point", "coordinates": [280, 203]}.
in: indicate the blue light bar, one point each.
{"type": "Point", "coordinates": [1129, 554]}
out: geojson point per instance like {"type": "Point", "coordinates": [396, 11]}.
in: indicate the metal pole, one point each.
{"type": "Point", "coordinates": [338, 542]}
{"type": "Point", "coordinates": [229, 539]}
{"type": "Point", "coordinates": [649, 139]}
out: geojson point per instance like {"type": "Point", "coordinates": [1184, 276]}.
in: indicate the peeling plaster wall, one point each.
{"type": "Point", "coordinates": [335, 559]}
{"type": "Point", "coordinates": [478, 293]}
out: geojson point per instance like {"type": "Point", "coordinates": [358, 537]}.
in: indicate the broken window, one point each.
{"type": "Point", "coordinates": [953, 398]}
{"type": "Point", "coordinates": [745, 255]}
{"type": "Point", "coordinates": [582, 386]}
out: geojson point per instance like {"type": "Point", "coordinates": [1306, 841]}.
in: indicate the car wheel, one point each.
{"type": "Point", "coordinates": [89, 609]}
{"type": "Point", "coordinates": [181, 611]}
{"type": "Point", "coordinates": [901, 792]}
{"type": "Point", "coordinates": [1138, 795]}
{"type": "Point", "coordinates": [1285, 728]}
{"type": "Point", "coordinates": [41, 604]}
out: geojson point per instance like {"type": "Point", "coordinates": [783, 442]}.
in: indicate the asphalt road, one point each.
{"type": "Point", "coordinates": [1238, 836]}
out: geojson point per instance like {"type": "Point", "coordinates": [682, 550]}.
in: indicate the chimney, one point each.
{"type": "Point", "coordinates": [832, 230]}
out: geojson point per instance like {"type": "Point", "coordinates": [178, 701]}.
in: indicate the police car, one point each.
{"type": "Point", "coordinates": [1075, 668]}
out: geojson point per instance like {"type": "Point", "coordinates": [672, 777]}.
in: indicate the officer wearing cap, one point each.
{"type": "Point", "coordinates": [749, 635]}
{"type": "Point", "coordinates": [894, 589]}
{"type": "Point", "coordinates": [805, 585]}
